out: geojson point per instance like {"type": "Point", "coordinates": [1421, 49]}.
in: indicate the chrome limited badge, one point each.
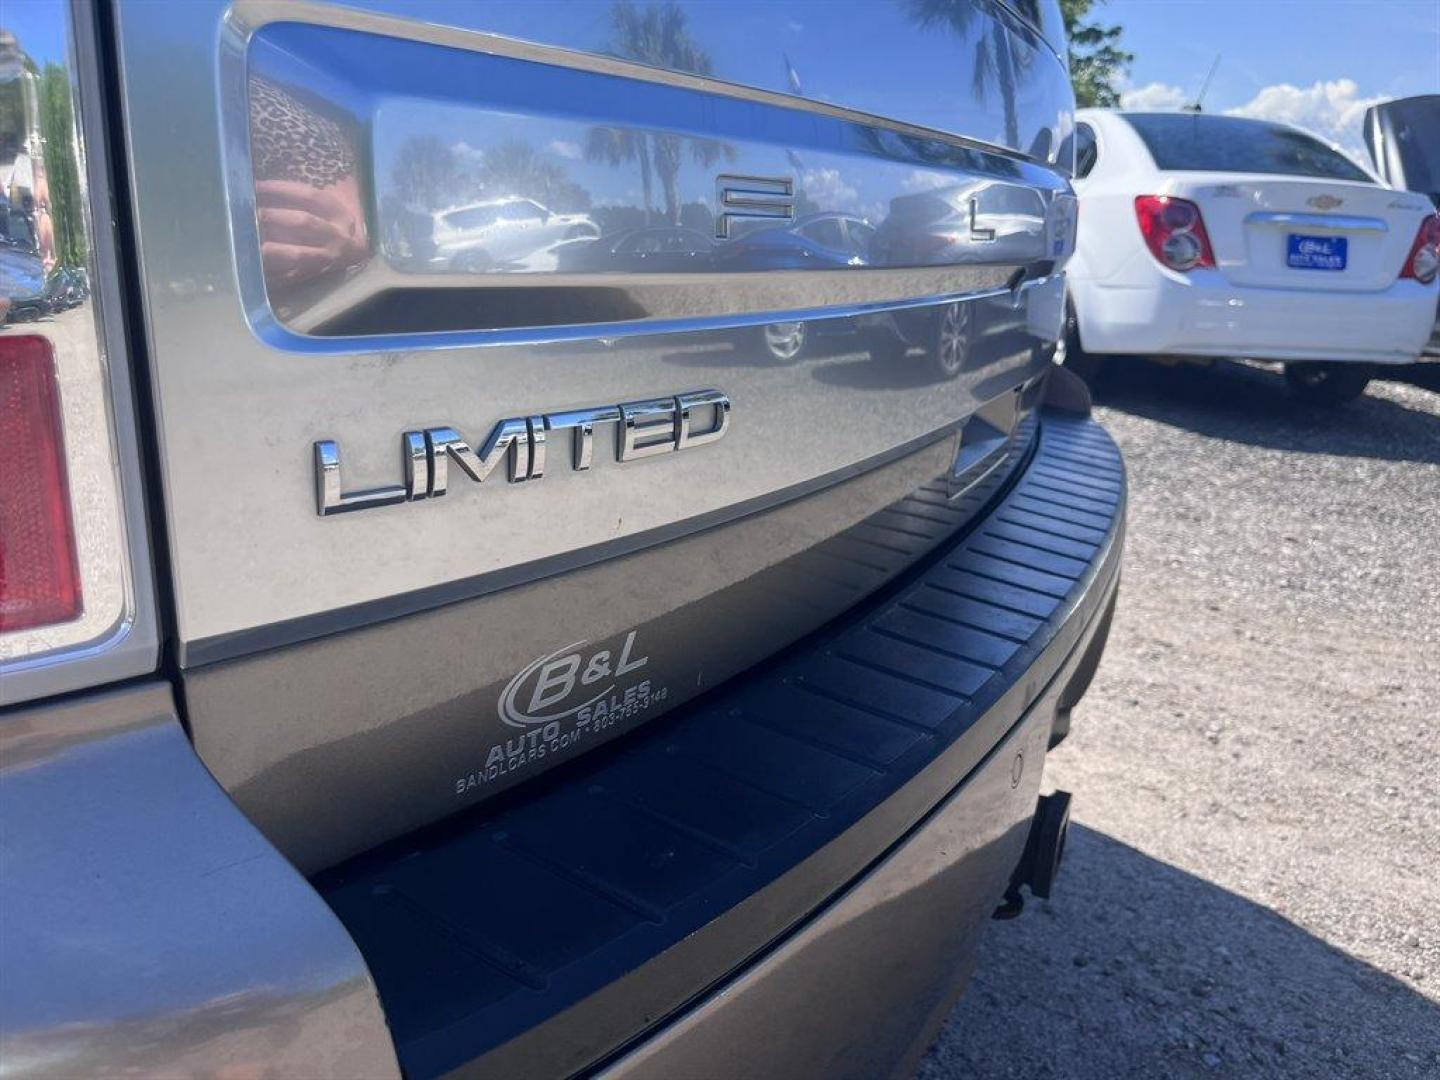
{"type": "Point", "coordinates": [643, 429]}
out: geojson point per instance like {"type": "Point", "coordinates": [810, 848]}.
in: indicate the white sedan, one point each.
{"type": "Point", "coordinates": [1210, 236]}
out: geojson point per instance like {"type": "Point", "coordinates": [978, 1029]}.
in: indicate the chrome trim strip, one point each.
{"type": "Point", "coordinates": [988, 285]}
{"type": "Point", "coordinates": [247, 16]}
{"type": "Point", "coordinates": [1327, 222]}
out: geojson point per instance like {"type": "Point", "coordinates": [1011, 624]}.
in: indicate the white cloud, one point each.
{"type": "Point", "coordinates": [1333, 110]}
{"type": "Point", "coordinates": [1153, 97]}
{"type": "Point", "coordinates": [829, 189]}
{"type": "Point", "coordinates": [565, 149]}
{"type": "Point", "coordinates": [926, 180]}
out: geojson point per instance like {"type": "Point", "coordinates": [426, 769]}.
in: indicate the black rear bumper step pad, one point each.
{"type": "Point", "coordinates": [483, 928]}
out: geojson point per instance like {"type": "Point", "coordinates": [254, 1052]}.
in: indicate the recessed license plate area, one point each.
{"type": "Point", "coordinates": [1305, 252]}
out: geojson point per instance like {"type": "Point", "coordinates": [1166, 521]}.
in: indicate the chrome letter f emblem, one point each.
{"type": "Point", "coordinates": [752, 197]}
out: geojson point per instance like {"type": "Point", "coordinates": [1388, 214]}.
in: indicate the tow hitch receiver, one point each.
{"type": "Point", "coordinates": [1044, 848]}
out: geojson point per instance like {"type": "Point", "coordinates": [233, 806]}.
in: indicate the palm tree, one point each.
{"type": "Point", "coordinates": [615, 145]}
{"type": "Point", "coordinates": [995, 60]}
{"type": "Point", "coordinates": [658, 35]}
{"type": "Point", "coordinates": [428, 174]}
{"type": "Point", "coordinates": [514, 167]}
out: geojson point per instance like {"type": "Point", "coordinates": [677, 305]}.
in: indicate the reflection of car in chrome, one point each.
{"type": "Point", "coordinates": [812, 242]}
{"type": "Point", "coordinates": [22, 271]}
{"type": "Point", "coordinates": [963, 223]}
{"type": "Point", "coordinates": [657, 249]}
{"type": "Point", "coordinates": [65, 288]}
{"type": "Point", "coordinates": [1216, 236]}
{"type": "Point", "coordinates": [499, 232]}
{"type": "Point", "coordinates": [944, 333]}
{"type": "Point", "coordinates": [22, 280]}
{"type": "Point", "coordinates": [815, 241]}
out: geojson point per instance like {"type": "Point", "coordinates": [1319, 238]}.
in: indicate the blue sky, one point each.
{"type": "Point", "coordinates": [1316, 63]}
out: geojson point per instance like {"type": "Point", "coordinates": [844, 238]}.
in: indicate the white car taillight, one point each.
{"type": "Point", "coordinates": [75, 601]}
{"type": "Point", "coordinates": [1174, 232]}
{"type": "Point", "coordinates": [1423, 262]}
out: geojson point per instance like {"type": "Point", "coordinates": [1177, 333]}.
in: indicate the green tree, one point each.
{"type": "Point", "coordinates": [514, 167]}
{"type": "Point", "coordinates": [57, 128]}
{"type": "Point", "coordinates": [658, 35]}
{"type": "Point", "coordinates": [993, 62]}
{"type": "Point", "coordinates": [616, 145]}
{"type": "Point", "coordinates": [428, 174]}
{"type": "Point", "coordinates": [1097, 62]}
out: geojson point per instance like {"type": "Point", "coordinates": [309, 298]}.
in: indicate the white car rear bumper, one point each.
{"type": "Point", "coordinates": [1203, 315]}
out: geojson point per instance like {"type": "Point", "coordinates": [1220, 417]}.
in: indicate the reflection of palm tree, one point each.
{"type": "Point", "coordinates": [616, 145]}
{"type": "Point", "coordinates": [428, 174]}
{"type": "Point", "coordinates": [658, 35]}
{"type": "Point", "coordinates": [995, 59]}
{"type": "Point", "coordinates": [514, 167]}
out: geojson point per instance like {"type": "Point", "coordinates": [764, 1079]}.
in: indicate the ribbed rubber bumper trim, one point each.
{"type": "Point", "coordinates": [540, 936]}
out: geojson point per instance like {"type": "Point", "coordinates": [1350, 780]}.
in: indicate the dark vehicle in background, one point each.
{"type": "Point", "coordinates": [812, 242]}
{"type": "Point", "coordinates": [1403, 138]}
{"type": "Point", "coordinates": [661, 249]}
{"type": "Point", "coordinates": [817, 241]}
{"type": "Point", "coordinates": [65, 288]}
{"type": "Point", "coordinates": [659, 710]}
{"type": "Point", "coordinates": [22, 282]}
{"type": "Point", "coordinates": [22, 271]}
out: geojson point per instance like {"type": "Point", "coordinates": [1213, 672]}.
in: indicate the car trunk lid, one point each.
{"type": "Point", "coordinates": [1293, 232]}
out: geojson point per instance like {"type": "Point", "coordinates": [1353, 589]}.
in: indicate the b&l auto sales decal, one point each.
{"type": "Point", "coordinates": [561, 699]}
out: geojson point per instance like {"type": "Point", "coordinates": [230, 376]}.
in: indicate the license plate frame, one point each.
{"type": "Point", "coordinates": [1306, 252]}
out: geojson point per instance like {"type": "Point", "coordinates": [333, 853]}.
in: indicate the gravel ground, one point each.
{"type": "Point", "coordinates": [1253, 883]}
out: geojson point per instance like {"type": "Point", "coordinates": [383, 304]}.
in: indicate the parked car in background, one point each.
{"type": "Point", "coordinates": [811, 242]}
{"type": "Point", "coordinates": [656, 249]}
{"type": "Point", "coordinates": [64, 289]}
{"type": "Point", "coordinates": [1403, 138]}
{"type": "Point", "coordinates": [1212, 236]}
{"type": "Point", "coordinates": [22, 271]}
{"type": "Point", "coordinates": [501, 233]}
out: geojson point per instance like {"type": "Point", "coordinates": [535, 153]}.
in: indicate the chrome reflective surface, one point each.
{"type": "Point", "coordinates": [385, 185]}
{"type": "Point", "coordinates": [1326, 222]}
{"type": "Point", "coordinates": [246, 384]}
{"type": "Point", "coordinates": [58, 281]}
{"type": "Point", "coordinates": [148, 928]}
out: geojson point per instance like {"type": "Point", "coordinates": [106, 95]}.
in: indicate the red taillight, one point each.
{"type": "Point", "coordinates": [1174, 232]}
{"type": "Point", "coordinates": [1423, 262]}
{"type": "Point", "coordinates": [39, 574]}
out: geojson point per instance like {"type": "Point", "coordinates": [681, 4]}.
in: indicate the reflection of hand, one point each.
{"type": "Point", "coordinates": [307, 231]}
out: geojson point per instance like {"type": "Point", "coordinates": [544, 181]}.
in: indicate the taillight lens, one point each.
{"type": "Point", "coordinates": [1174, 232]}
{"type": "Point", "coordinates": [39, 571]}
{"type": "Point", "coordinates": [1423, 262]}
{"type": "Point", "coordinates": [76, 608]}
